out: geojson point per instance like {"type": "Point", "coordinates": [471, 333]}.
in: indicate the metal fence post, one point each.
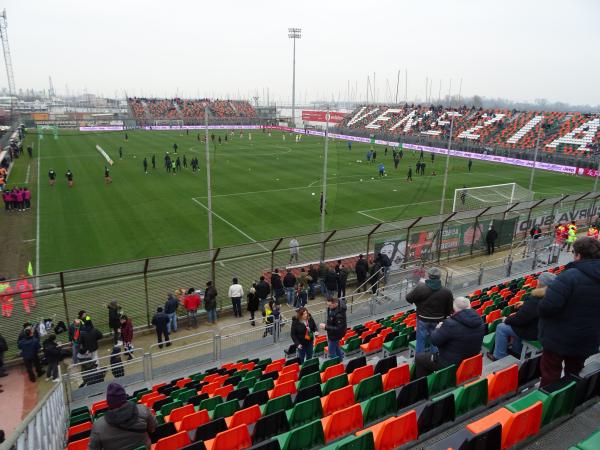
{"type": "Point", "coordinates": [64, 296]}
{"type": "Point", "coordinates": [324, 244]}
{"type": "Point", "coordinates": [146, 264]}
{"type": "Point", "coordinates": [213, 271]}
{"type": "Point", "coordinates": [273, 253]}
{"type": "Point", "coordinates": [480, 278]}
{"type": "Point", "coordinates": [407, 253]}
{"type": "Point", "coordinates": [369, 234]}
{"type": "Point", "coordinates": [216, 346]}
{"type": "Point", "coordinates": [442, 234]}
{"type": "Point", "coordinates": [509, 265]}
{"type": "Point", "coordinates": [148, 366]}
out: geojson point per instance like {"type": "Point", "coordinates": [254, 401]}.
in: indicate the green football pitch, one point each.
{"type": "Point", "coordinates": [262, 188]}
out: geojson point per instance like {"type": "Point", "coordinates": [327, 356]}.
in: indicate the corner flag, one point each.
{"type": "Point", "coordinates": [30, 269]}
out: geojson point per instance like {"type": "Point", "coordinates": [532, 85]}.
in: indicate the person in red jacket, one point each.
{"type": "Point", "coordinates": [6, 299]}
{"type": "Point", "coordinates": [25, 290]}
{"type": "Point", "coordinates": [127, 335]}
{"type": "Point", "coordinates": [191, 303]}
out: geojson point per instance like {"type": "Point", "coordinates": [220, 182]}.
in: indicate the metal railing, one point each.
{"type": "Point", "coordinates": [44, 427]}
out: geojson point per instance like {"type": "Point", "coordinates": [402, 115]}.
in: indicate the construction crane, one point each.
{"type": "Point", "coordinates": [8, 61]}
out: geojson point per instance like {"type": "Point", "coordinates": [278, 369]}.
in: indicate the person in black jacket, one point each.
{"type": "Point", "coordinates": [342, 280]}
{"type": "Point", "coordinates": [335, 326]}
{"type": "Point", "coordinates": [114, 319]}
{"type": "Point", "coordinates": [53, 357]}
{"type": "Point", "coordinates": [331, 283]}
{"type": "Point", "coordinates": [459, 337]}
{"type": "Point", "coordinates": [490, 240]}
{"type": "Point", "coordinates": [161, 322]}
{"type": "Point", "coordinates": [276, 286]}
{"type": "Point", "coordinates": [252, 303]}
{"type": "Point", "coordinates": [3, 348]}
{"type": "Point", "coordinates": [289, 283]}
{"type": "Point", "coordinates": [262, 292]}
{"type": "Point", "coordinates": [375, 276]}
{"type": "Point", "coordinates": [570, 314]}
{"type": "Point", "coordinates": [29, 345]}
{"type": "Point", "coordinates": [303, 333]}
{"type": "Point", "coordinates": [89, 338]}
{"type": "Point", "coordinates": [171, 305]}
{"type": "Point", "coordinates": [523, 324]}
{"type": "Point", "coordinates": [362, 269]}
{"type": "Point", "coordinates": [434, 304]}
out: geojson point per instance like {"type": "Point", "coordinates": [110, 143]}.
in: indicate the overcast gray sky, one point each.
{"type": "Point", "coordinates": [516, 49]}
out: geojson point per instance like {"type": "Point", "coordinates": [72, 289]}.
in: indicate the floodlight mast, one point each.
{"type": "Point", "coordinates": [8, 61]}
{"type": "Point", "coordinates": [294, 33]}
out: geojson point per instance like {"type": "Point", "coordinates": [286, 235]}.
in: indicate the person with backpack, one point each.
{"type": "Point", "coordinates": [434, 304]}
{"type": "Point", "coordinates": [114, 319]}
{"type": "Point", "coordinates": [89, 341]}
{"type": "Point", "coordinates": [53, 356]}
{"type": "Point", "coordinates": [161, 323]}
{"type": "Point", "coordinates": [210, 302]}
{"type": "Point", "coordinates": [191, 303]}
{"type": "Point", "coordinates": [124, 426]}
{"type": "Point", "coordinates": [127, 335]}
{"type": "Point", "coordinates": [252, 303]}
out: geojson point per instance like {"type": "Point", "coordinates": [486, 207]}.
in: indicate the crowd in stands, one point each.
{"type": "Point", "coordinates": [509, 129]}
{"type": "Point", "coordinates": [180, 109]}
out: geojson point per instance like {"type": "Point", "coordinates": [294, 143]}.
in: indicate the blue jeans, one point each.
{"type": "Point", "coordinates": [75, 351]}
{"type": "Point", "coordinates": [236, 302]}
{"type": "Point", "coordinates": [289, 294]}
{"type": "Point", "coordinates": [211, 315]}
{"type": "Point", "coordinates": [503, 332]}
{"type": "Point", "coordinates": [424, 330]}
{"type": "Point", "coordinates": [172, 325]}
{"type": "Point", "coordinates": [302, 299]}
{"type": "Point", "coordinates": [306, 352]}
{"type": "Point", "coordinates": [335, 349]}
{"type": "Point", "coordinates": [323, 288]}
{"type": "Point", "coordinates": [311, 290]}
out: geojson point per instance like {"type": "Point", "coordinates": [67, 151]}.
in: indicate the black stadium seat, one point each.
{"type": "Point", "coordinates": [256, 398]}
{"type": "Point", "coordinates": [238, 394]}
{"type": "Point", "coordinates": [355, 363]}
{"type": "Point", "coordinates": [385, 364]}
{"type": "Point", "coordinates": [273, 444]}
{"type": "Point", "coordinates": [199, 445]}
{"type": "Point", "coordinates": [434, 413]}
{"type": "Point", "coordinates": [163, 430]}
{"type": "Point", "coordinates": [269, 426]}
{"type": "Point", "coordinates": [211, 429]}
{"type": "Point", "coordinates": [308, 369]}
{"type": "Point", "coordinates": [308, 393]}
{"type": "Point", "coordinates": [413, 392]}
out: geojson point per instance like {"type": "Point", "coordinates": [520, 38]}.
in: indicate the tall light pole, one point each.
{"type": "Point", "coordinates": [535, 155]}
{"type": "Point", "coordinates": [294, 33]}
{"type": "Point", "coordinates": [208, 183]}
{"type": "Point", "coordinates": [324, 187]}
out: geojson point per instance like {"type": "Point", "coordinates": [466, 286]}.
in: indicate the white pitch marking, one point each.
{"type": "Point", "coordinates": [231, 225]}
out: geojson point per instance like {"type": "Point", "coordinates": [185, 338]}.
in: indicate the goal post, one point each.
{"type": "Point", "coordinates": [492, 195]}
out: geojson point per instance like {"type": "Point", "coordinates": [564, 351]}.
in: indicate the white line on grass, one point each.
{"type": "Point", "coordinates": [364, 211]}
{"type": "Point", "coordinates": [37, 220]}
{"type": "Point", "coordinates": [231, 225]}
{"type": "Point", "coordinates": [369, 216]}
{"type": "Point", "coordinates": [27, 174]}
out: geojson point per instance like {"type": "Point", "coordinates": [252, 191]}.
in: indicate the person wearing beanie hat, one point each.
{"type": "Point", "coordinates": [521, 325]}
{"type": "Point", "coordinates": [570, 313]}
{"type": "Point", "coordinates": [125, 425]}
{"type": "Point", "coordinates": [458, 337]}
{"type": "Point", "coordinates": [434, 304]}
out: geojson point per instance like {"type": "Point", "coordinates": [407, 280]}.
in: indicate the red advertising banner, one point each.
{"type": "Point", "coordinates": [321, 116]}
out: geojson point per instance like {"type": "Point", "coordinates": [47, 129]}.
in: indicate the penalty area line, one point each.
{"type": "Point", "coordinates": [246, 235]}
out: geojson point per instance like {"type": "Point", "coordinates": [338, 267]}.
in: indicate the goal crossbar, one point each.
{"type": "Point", "coordinates": [490, 195]}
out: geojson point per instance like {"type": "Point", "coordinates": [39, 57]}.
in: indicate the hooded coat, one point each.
{"type": "Point", "coordinates": [124, 428]}
{"type": "Point", "coordinates": [336, 322]}
{"type": "Point", "coordinates": [459, 337]}
{"type": "Point", "coordinates": [524, 322]}
{"type": "Point", "coordinates": [570, 311]}
{"type": "Point", "coordinates": [433, 302]}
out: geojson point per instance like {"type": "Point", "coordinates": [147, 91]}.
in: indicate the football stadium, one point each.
{"type": "Point", "coordinates": [321, 263]}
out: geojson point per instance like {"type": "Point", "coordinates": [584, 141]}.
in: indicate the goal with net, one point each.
{"type": "Point", "coordinates": [492, 195]}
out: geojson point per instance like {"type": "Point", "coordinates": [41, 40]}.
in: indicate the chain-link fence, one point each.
{"type": "Point", "coordinates": [142, 285]}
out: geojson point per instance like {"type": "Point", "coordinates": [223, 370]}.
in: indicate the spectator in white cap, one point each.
{"type": "Point", "coordinates": [434, 304]}
{"type": "Point", "coordinates": [458, 337]}
{"type": "Point", "coordinates": [521, 325]}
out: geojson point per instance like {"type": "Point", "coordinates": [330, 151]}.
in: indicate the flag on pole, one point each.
{"type": "Point", "coordinates": [30, 269]}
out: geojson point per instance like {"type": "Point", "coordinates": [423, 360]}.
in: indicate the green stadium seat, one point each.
{"type": "Point", "coordinates": [398, 344]}
{"type": "Point", "coordinates": [264, 385]}
{"type": "Point", "coordinates": [278, 403]}
{"type": "Point", "coordinates": [441, 380]}
{"type": "Point", "coordinates": [470, 396]}
{"type": "Point", "coordinates": [556, 404]}
{"type": "Point", "coordinates": [379, 406]}
{"type": "Point", "coordinates": [210, 403]}
{"type": "Point", "coordinates": [362, 442]}
{"type": "Point", "coordinates": [368, 387]}
{"type": "Point", "coordinates": [488, 341]}
{"type": "Point", "coordinates": [308, 380]}
{"type": "Point", "coordinates": [352, 346]}
{"type": "Point", "coordinates": [310, 362]}
{"type": "Point", "coordinates": [305, 437]}
{"type": "Point", "coordinates": [225, 409]}
{"type": "Point", "coordinates": [591, 443]}
{"type": "Point", "coordinates": [334, 383]}
{"type": "Point", "coordinates": [247, 383]}
{"type": "Point", "coordinates": [305, 412]}
{"type": "Point", "coordinates": [328, 363]}
{"type": "Point", "coordinates": [319, 349]}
